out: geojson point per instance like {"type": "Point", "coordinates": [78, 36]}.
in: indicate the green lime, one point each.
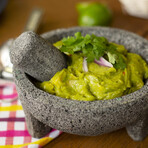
{"type": "Point", "coordinates": [93, 14]}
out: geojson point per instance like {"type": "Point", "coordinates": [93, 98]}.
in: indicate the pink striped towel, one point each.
{"type": "Point", "coordinates": [13, 130]}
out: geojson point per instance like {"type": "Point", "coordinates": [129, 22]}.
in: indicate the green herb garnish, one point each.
{"type": "Point", "coordinates": [92, 47]}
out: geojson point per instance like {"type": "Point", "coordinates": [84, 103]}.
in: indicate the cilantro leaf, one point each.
{"type": "Point", "coordinates": [92, 47]}
{"type": "Point", "coordinates": [115, 57]}
{"type": "Point", "coordinates": [120, 63]}
{"type": "Point", "coordinates": [112, 57]}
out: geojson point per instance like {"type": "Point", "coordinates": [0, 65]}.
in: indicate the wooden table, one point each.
{"type": "Point", "coordinates": [61, 14]}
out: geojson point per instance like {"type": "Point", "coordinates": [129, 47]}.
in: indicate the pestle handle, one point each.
{"type": "Point", "coordinates": [35, 56]}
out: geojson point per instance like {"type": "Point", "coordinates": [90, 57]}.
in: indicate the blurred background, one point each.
{"type": "Point", "coordinates": [60, 14]}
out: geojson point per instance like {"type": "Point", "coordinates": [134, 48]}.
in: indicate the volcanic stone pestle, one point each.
{"type": "Point", "coordinates": [35, 56]}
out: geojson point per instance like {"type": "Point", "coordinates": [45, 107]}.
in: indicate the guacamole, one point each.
{"type": "Point", "coordinates": [98, 82]}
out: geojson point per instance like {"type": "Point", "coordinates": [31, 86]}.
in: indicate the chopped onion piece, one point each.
{"type": "Point", "coordinates": [103, 62]}
{"type": "Point", "coordinates": [85, 68]}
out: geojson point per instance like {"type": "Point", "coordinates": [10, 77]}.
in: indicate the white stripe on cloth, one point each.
{"type": "Point", "coordinates": [20, 113]}
{"type": "Point", "coordinates": [54, 134]}
{"type": "Point", "coordinates": [34, 139]}
{"type": "Point", "coordinates": [4, 104]}
{"type": "Point", "coordinates": [19, 102]}
{"type": "Point", "coordinates": [4, 114]}
{"type": "Point", "coordinates": [2, 140]}
{"type": "Point", "coordinates": [8, 91]}
{"type": "Point", "coordinates": [3, 126]}
{"type": "Point", "coordinates": [19, 126]}
{"type": "Point", "coordinates": [18, 140]}
{"type": "Point", "coordinates": [33, 146]}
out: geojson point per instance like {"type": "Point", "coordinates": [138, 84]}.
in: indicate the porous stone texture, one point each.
{"type": "Point", "coordinates": [34, 55]}
{"type": "Point", "coordinates": [35, 127]}
{"type": "Point", "coordinates": [88, 118]}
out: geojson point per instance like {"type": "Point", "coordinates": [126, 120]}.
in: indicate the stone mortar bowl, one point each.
{"type": "Point", "coordinates": [45, 111]}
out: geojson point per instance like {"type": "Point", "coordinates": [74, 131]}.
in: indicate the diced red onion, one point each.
{"type": "Point", "coordinates": [103, 62]}
{"type": "Point", "coordinates": [85, 68]}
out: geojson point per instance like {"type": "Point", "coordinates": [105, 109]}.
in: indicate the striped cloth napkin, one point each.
{"type": "Point", "coordinates": [13, 130]}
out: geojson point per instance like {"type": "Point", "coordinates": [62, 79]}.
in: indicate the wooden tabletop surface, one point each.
{"type": "Point", "coordinates": [62, 14]}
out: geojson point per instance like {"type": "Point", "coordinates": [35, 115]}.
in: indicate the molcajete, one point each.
{"type": "Point", "coordinates": [45, 111]}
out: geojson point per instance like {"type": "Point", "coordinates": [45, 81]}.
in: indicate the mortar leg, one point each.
{"type": "Point", "coordinates": [138, 130]}
{"type": "Point", "coordinates": [36, 128]}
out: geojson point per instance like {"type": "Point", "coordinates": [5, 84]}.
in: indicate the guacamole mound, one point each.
{"type": "Point", "coordinates": [100, 82]}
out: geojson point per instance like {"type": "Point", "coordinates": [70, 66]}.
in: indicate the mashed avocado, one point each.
{"type": "Point", "coordinates": [99, 82]}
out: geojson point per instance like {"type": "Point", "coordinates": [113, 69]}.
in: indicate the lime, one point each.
{"type": "Point", "coordinates": [93, 14]}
